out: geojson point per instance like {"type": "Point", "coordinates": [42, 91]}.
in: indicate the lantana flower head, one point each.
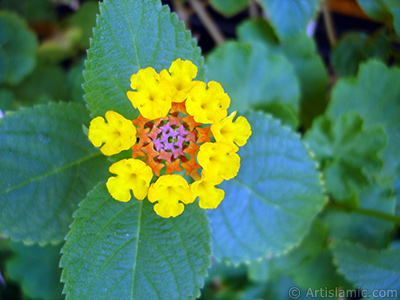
{"type": "Point", "coordinates": [182, 128]}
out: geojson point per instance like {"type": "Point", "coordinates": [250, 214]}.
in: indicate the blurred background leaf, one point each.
{"type": "Point", "coordinates": [18, 47]}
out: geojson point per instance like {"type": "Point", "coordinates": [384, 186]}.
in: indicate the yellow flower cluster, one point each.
{"type": "Point", "coordinates": [183, 123]}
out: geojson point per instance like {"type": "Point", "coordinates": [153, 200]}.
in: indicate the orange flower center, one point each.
{"type": "Point", "coordinates": [170, 143]}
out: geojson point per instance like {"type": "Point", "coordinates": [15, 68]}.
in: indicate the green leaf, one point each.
{"type": "Point", "coordinates": [85, 19]}
{"type": "Point", "coordinates": [312, 244]}
{"type": "Point", "coordinates": [301, 52]}
{"type": "Point", "coordinates": [383, 10]}
{"type": "Point", "coordinates": [269, 206]}
{"type": "Point", "coordinates": [75, 81]}
{"type": "Point", "coordinates": [131, 35]}
{"type": "Point", "coordinates": [18, 47]}
{"type": "Point", "coordinates": [319, 272]}
{"type": "Point", "coordinates": [368, 230]}
{"type": "Point", "coordinates": [375, 9]}
{"type": "Point", "coordinates": [119, 250]}
{"type": "Point", "coordinates": [36, 269]}
{"type": "Point", "coordinates": [47, 167]}
{"type": "Point", "coordinates": [356, 47]}
{"type": "Point", "coordinates": [348, 152]}
{"type": "Point", "coordinates": [255, 78]}
{"type": "Point", "coordinates": [45, 84]}
{"type": "Point", "coordinates": [38, 11]}
{"type": "Point", "coordinates": [289, 17]}
{"type": "Point", "coordinates": [229, 7]}
{"type": "Point", "coordinates": [7, 100]}
{"type": "Point", "coordinates": [375, 95]}
{"type": "Point", "coordinates": [369, 269]}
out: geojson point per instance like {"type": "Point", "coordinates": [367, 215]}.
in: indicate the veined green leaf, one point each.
{"type": "Point", "coordinates": [375, 96]}
{"type": "Point", "coordinates": [373, 270]}
{"type": "Point", "coordinates": [348, 152]}
{"type": "Point", "coordinates": [131, 35]}
{"type": "Point", "coordinates": [18, 47]}
{"type": "Point", "coordinates": [269, 206]}
{"type": "Point", "coordinates": [36, 269]}
{"type": "Point", "coordinates": [229, 7]}
{"type": "Point", "coordinates": [119, 250]}
{"type": "Point", "coordinates": [290, 17]}
{"type": "Point", "coordinates": [47, 167]}
{"type": "Point", "coordinates": [255, 78]}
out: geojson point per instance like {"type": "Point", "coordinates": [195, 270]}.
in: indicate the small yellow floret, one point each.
{"type": "Point", "coordinates": [168, 190]}
{"type": "Point", "coordinates": [132, 174]}
{"type": "Point", "coordinates": [228, 132]}
{"type": "Point", "coordinates": [116, 135]}
{"type": "Point", "coordinates": [219, 161]}
{"type": "Point", "coordinates": [181, 75]}
{"type": "Point", "coordinates": [208, 105]}
{"type": "Point", "coordinates": [152, 96]}
{"type": "Point", "coordinates": [210, 196]}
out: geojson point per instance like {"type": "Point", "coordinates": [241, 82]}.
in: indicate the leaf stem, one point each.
{"type": "Point", "coordinates": [363, 211]}
{"type": "Point", "coordinates": [208, 22]}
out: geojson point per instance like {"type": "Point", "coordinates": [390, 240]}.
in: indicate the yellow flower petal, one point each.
{"type": "Point", "coordinates": [170, 191]}
{"type": "Point", "coordinates": [208, 105]}
{"type": "Point", "coordinates": [209, 196]}
{"type": "Point", "coordinates": [181, 78]}
{"type": "Point", "coordinates": [117, 135]}
{"type": "Point", "coordinates": [132, 174]}
{"type": "Point", "coordinates": [219, 161]}
{"type": "Point", "coordinates": [152, 96]}
{"type": "Point", "coordinates": [228, 132]}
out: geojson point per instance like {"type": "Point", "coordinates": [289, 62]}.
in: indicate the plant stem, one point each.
{"type": "Point", "coordinates": [330, 28]}
{"type": "Point", "coordinates": [363, 211]}
{"type": "Point", "coordinates": [253, 9]}
{"type": "Point", "coordinates": [208, 22]}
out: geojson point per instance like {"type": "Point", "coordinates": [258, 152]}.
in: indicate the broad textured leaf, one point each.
{"type": "Point", "coordinates": [119, 250]}
{"type": "Point", "coordinates": [229, 7]}
{"type": "Point", "coordinates": [302, 54]}
{"type": "Point", "coordinates": [255, 78]}
{"type": "Point", "coordinates": [369, 269]}
{"type": "Point", "coordinates": [131, 35]}
{"type": "Point", "coordinates": [18, 47]}
{"type": "Point", "coordinates": [375, 95]}
{"type": "Point", "coordinates": [348, 152]}
{"type": "Point", "coordinates": [356, 47]}
{"type": "Point", "coordinates": [47, 167]}
{"type": "Point", "coordinates": [368, 230]}
{"type": "Point", "coordinates": [36, 269]}
{"type": "Point", "coordinates": [312, 244]}
{"type": "Point", "coordinates": [269, 206]}
{"type": "Point", "coordinates": [290, 17]}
